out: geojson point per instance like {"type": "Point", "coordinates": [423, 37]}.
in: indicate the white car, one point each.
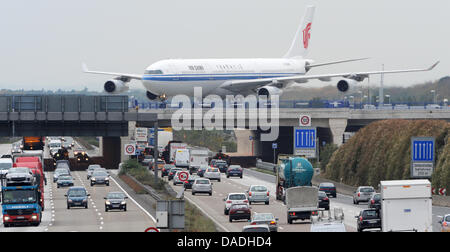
{"type": "Point", "coordinates": [176, 178]}
{"type": "Point", "coordinates": [234, 198]}
{"type": "Point", "coordinates": [202, 185]}
{"type": "Point", "coordinates": [5, 165]}
{"type": "Point", "coordinates": [212, 174]}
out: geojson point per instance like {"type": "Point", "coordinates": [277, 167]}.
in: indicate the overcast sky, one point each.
{"type": "Point", "coordinates": [43, 42]}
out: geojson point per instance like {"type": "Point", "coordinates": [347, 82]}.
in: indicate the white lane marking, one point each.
{"type": "Point", "coordinates": [134, 201]}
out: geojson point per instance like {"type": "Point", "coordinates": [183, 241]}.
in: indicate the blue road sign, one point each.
{"type": "Point", "coordinates": [305, 138]}
{"type": "Point", "coordinates": [423, 150]}
{"type": "Point", "coordinates": [274, 146]}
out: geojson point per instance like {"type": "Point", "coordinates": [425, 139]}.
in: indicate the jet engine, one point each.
{"type": "Point", "coordinates": [269, 91]}
{"type": "Point", "coordinates": [346, 85]}
{"type": "Point", "coordinates": [115, 86]}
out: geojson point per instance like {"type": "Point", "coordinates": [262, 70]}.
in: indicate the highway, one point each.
{"type": "Point", "coordinates": [57, 218]}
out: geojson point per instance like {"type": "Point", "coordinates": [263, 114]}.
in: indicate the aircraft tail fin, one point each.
{"type": "Point", "coordinates": [300, 45]}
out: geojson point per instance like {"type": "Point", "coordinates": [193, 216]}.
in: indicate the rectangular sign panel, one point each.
{"type": "Point", "coordinates": [422, 157]}
{"type": "Point", "coordinates": [305, 142]}
{"type": "Point", "coordinates": [141, 135]}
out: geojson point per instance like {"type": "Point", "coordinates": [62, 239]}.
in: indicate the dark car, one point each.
{"type": "Point", "coordinates": [115, 200]}
{"type": "Point", "coordinates": [324, 201]}
{"type": "Point", "coordinates": [240, 212]}
{"type": "Point", "coordinates": [328, 188]}
{"type": "Point", "coordinates": [188, 184]}
{"type": "Point", "coordinates": [222, 165]}
{"type": "Point", "coordinates": [368, 219]}
{"type": "Point", "coordinates": [172, 172]}
{"type": "Point", "coordinates": [77, 197]}
{"type": "Point", "coordinates": [234, 171]}
{"type": "Point", "coordinates": [81, 156]}
{"type": "Point", "coordinates": [99, 177]}
{"type": "Point", "coordinates": [375, 201]}
{"type": "Point", "coordinates": [64, 180]}
{"type": "Point", "coordinates": [201, 170]}
{"type": "Point", "coordinates": [166, 169]}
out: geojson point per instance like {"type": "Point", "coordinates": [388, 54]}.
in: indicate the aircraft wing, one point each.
{"type": "Point", "coordinates": [122, 76]}
{"type": "Point", "coordinates": [244, 85]}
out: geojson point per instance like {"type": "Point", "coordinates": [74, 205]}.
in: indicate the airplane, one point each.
{"type": "Point", "coordinates": [261, 76]}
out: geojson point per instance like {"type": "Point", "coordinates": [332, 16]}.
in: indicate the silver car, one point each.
{"type": "Point", "coordinates": [212, 174]}
{"type": "Point", "coordinates": [258, 193]}
{"type": "Point", "coordinates": [363, 193]}
{"type": "Point", "coordinates": [91, 169]}
{"type": "Point", "coordinates": [232, 199]}
{"type": "Point", "coordinates": [202, 185]}
{"type": "Point", "coordinates": [265, 218]}
{"type": "Point", "coordinates": [99, 177]}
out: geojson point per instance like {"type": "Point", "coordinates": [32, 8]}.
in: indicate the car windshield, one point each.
{"type": "Point", "coordinates": [117, 195]}
{"type": "Point", "coordinates": [19, 197]}
{"type": "Point", "coordinates": [239, 206]}
{"type": "Point", "coordinates": [18, 170]}
{"type": "Point", "coordinates": [77, 193]}
{"type": "Point", "coordinates": [64, 178]}
{"type": "Point", "coordinates": [100, 174]}
{"type": "Point", "coordinates": [5, 166]}
{"type": "Point", "coordinates": [235, 168]}
{"type": "Point", "coordinates": [258, 189]}
{"type": "Point", "coordinates": [447, 219]}
{"type": "Point", "coordinates": [256, 230]}
{"type": "Point", "coordinates": [237, 197]}
{"type": "Point", "coordinates": [370, 214]}
{"type": "Point", "coordinates": [93, 167]}
{"type": "Point", "coordinates": [263, 217]}
{"type": "Point", "coordinates": [202, 182]}
{"type": "Point", "coordinates": [322, 194]}
{"type": "Point", "coordinates": [212, 170]}
{"type": "Point", "coordinates": [366, 189]}
{"type": "Point", "coordinates": [326, 185]}
{"type": "Point", "coordinates": [377, 197]}
{"type": "Point", "coordinates": [203, 168]}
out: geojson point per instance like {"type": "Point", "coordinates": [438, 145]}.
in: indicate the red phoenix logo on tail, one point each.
{"type": "Point", "coordinates": [306, 35]}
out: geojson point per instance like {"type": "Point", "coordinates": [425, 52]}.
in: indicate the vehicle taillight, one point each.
{"type": "Point", "coordinates": [444, 224]}
{"type": "Point", "coordinates": [249, 193]}
{"type": "Point", "coordinates": [360, 218]}
{"type": "Point", "coordinates": [372, 201]}
{"type": "Point", "coordinates": [186, 182]}
{"type": "Point", "coordinates": [253, 223]}
{"type": "Point", "coordinates": [267, 193]}
{"type": "Point", "coordinates": [245, 201]}
{"type": "Point", "coordinates": [359, 194]}
{"type": "Point", "coordinates": [273, 223]}
{"type": "Point", "coordinates": [228, 201]}
{"type": "Point", "coordinates": [326, 198]}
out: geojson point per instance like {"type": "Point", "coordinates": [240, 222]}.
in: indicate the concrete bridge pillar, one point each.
{"type": "Point", "coordinates": [337, 127]}
{"type": "Point", "coordinates": [111, 152]}
{"type": "Point", "coordinates": [247, 144]}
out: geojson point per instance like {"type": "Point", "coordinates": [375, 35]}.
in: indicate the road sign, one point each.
{"type": "Point", "coordinates": [422, 157]}
{"type": "Point", "coordinates": [141, 134]}
{"type": "Point", "coordinates": [305, 120]}
{"type": "Point", "coordinates": [274, 146]}
{"type": "Point", "coordinates": [305, 142]}
{"type": "Point", "coordinates": [152, 230]}
{"type": "Point", "coordinates": [183, 176]}
{"type": "Point", "coordinates": [130, 149]}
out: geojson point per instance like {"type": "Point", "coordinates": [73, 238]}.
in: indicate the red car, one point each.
{"type": "Point", "coordinates": [240, 212]}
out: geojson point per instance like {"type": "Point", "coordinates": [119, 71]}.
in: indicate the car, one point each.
{"type": "Point", "coordinates": [256, 229]}
{"type": "Point", "coordinates": [176, 178]}
{"type": "Point", "coordinates": [116, 200]}
{"type": "Point", "coordinates": [63, 165]}
{"type": "Point", "coordinates": [445, 222]}
{"type": "Point", "coordinates": [368, 219]}
{"type": "Point", "coordinates": [59, 172]}
{"type": "Point", "coordinates": [239, 212]}
{"type": "Point", "coordinates": [188, 184]}
{"type": "Point", "coordinates": [234, 198]}
{"type": "Point", "coordinates": [375, 201]}
{"type": "Point", "coordinates": [64, 180]}
{"type": "Point", "coordinates": [212, 174]}
{"type": "Point", "coordinates": [221, 165]}
{"type": "Point", "coordinates": [324, 201]}
{"type": "Point", "coordinates": [213, 162]}
{"type": "Point", "coordinates": [202, 185]}
{"type": "Point", "coordinates": [234, 171]}
{"type": "Point", "coordinates": [81, 156]}
{"type": "Point", "coordinates": [77, 196]}
{"type": "Point", "coordinates": [328, 188]}
{"type": "Point", "coordinates": [19, 175]}
{"type": "Point", "coordinates": [363, 193]}
{"type": "Point", "coordinates": [99, 177]}
{"type": "Point", "coordinates": [147, 160]}
{"type": "Point", "coordinates": [60, 163]}
{"type": "Point", "coordinates": [258, 193]}
{"type": "Point", "coordinates": [5, 165]}
{"type": "Point", "coordinates": [172, 173]}
{"type": "Point", "coordinates": [201, 170]}
{"type": "Point", "coordinates": [160, 163]}
{"type": "Point", "coordinates": [328, 227]}
{"type": "Point", "coordinates": [265, 218]}
{"type": "Point", "coordinates": [91, 169]}
{"type": "Point", "coordinates": [166, 169]}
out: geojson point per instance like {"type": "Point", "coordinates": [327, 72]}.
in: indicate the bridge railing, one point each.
{"type": "Point", "coordinates": [63, 103]}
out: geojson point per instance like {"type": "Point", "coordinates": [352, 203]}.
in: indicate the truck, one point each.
{"type": "Point", "coordinates": [182, 158]}
{"type": "Point", "coordinates": [170, 150]}
{"type": "Point", "coordinates": [199, 157]}
{"type": "Point", "coordinates": [36, 169]}
{"type": "Point", "coordinates": [21, 203]}
{"type": "Point", "coordinates": [301, 203]}
{"type": "Point", "coordinates": [406, 206]}
{"type": "Point", "coordinates": [33, 143]}
{"type": "Point", "coordinates": [292, 172]}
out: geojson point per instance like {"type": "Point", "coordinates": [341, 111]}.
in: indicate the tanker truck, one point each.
{"type": "Point", "coordinates": [292, 172]}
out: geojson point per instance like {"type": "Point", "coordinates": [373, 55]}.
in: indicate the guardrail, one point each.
{"type": "Point", "coordinates": [265, 166]}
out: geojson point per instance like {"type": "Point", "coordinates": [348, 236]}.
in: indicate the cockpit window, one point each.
{"type": "Point", "coordinates": [153, 72]}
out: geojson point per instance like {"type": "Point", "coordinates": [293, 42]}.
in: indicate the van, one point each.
{"type": "Point", "coordinates": [182, 158]}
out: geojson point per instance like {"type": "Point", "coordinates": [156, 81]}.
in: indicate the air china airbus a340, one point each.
{"type": "Point", "coordinates": [222, 77]}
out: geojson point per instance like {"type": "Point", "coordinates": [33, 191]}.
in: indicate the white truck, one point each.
{"type": "Point", "coordinates": [174, 147]}
{"type": "Point", "coordinates": [406, 206]}
{"type": "Point", "coordinates": [182, 158]}
{"type": "Point", "coordinates": [301, 202]}
{"type": "Point", "coordinates": [199, 157]}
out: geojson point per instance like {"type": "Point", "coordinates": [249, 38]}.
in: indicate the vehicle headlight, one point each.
{"type": "Point", "coordinates": [123, 203]}
{"type": "Point", "coordinates": [93, 179]}
{"type": "Point", "coordinates": [108, 202]}
{"type": "Point", "coordinates": [106, 178]}
{"type": "Point", "coordinates": [6, 218]}
{"type": "Point", "coordinates": [70, 201]}
{"type": "Point", "coordinates": [34, 217]}
{"type": "Point", "coordinates": [85, 200]}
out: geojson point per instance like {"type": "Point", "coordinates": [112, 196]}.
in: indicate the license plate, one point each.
{"type": "Point", "coordinates": [240, 212]}
{"type": "Point", "coordinates": [372, 222]}
{"type": "Point", "coordinates": [20, 218]}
